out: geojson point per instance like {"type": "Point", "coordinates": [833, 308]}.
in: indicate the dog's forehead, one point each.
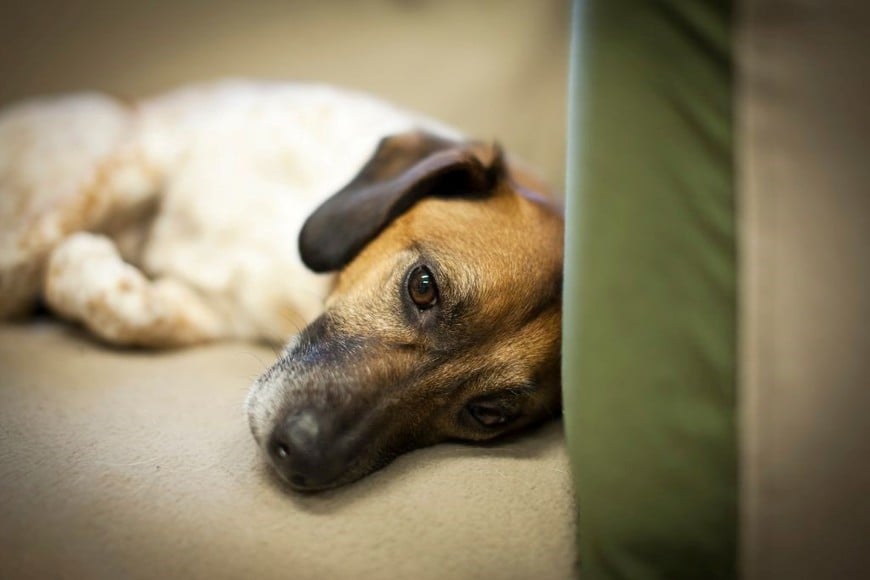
{"type": "Point", "coordinates": [505, 249]}
{"type": "Point", "coordinates": [506, 239]}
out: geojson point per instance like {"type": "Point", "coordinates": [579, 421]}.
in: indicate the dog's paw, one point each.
{"type": "Point", "coordinates": [60, 172]}
{"type": "Point", "coordinates": [87, 281]}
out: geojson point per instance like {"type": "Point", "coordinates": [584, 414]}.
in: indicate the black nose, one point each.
{"type": "Point", "coordinates": [305, 450]}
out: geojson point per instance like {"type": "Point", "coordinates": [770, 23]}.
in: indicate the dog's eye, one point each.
{"type": "Point", "coordinates": [422, 288]}
{"type": "Point", "coordinates": [489, 414]}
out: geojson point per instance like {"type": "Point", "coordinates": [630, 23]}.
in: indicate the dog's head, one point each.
{"type": "Point", "coordinates": [444, 322]}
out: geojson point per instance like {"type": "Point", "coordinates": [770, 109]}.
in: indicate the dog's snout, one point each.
{"type": "Point", "coordinates": [300, 432]}
{"type": "Point", "coordinates": [305, 450]}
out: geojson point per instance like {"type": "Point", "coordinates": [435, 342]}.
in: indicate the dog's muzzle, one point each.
{"type": "Point", "coordinates": [309, 450]}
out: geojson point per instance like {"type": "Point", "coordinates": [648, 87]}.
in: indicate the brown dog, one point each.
{"type": "Point", "coordinates": [445, 321]}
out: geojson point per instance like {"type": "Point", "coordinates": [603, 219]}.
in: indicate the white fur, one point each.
{"type": "Point", "coordinates": [236, 168]}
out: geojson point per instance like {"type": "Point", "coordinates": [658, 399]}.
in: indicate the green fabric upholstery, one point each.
{"type": "Point", "coordinates": [650, 292]}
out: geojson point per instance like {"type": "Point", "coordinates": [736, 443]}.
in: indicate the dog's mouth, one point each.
{"type": "Point", "coordinates": [300, 483]}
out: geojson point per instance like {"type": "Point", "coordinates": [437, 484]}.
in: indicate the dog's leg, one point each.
{"type": "Point", "coordinates": [87, 281]}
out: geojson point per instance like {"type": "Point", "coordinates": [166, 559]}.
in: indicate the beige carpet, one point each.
{"type": "Point", "coordinates": [124, 464]}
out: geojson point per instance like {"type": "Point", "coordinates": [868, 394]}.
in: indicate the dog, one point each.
{"type": "Point", "coordinates": [445, 321]}
{"type": "Point", "coordinates": [427, 272]}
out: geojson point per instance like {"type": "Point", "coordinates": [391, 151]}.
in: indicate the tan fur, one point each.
{"type": "Point", "coordinates": [515, 247]}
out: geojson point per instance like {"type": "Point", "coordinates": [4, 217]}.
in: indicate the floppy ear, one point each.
{"type": "Point", "coordinates": [404, 169]}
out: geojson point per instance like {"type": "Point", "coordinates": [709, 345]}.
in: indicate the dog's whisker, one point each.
{"type": "Point", "coordinates": [263, 364]}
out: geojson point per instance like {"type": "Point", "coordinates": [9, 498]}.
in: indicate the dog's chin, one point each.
{"type": "Point", "coordinates": [312, 489]}
{"type": "Point", "coordinates": [353, 474]}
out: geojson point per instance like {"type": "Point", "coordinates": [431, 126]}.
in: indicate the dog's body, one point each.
{"type": "Point", "coordinates": [444, 322]}
{"type": "Point", "coordinates": [193, 200]}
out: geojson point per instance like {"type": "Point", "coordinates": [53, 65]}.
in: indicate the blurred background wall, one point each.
{"type": "Point", "coordinates": [493, 68]}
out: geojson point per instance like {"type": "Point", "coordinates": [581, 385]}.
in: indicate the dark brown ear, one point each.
{"type": "Point", "coordinates": [404, 169]}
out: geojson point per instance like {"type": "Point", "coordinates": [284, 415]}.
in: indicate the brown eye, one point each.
{"type": "Point", "coordinates": [422, 288]}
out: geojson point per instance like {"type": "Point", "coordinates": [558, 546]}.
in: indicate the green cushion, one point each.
{"type": "Point", "coordinates": [650, 291]}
